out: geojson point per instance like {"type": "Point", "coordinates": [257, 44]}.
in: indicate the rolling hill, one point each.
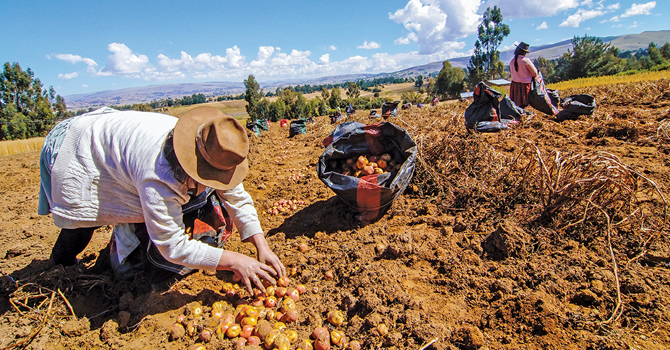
{"type": "Point", "coordinates": [155, 92]}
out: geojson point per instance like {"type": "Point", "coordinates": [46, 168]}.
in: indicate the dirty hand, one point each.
{"type": "Point", "coordinates": [266, 255]}
{"type": "Point", "coordinates": [247, 269]}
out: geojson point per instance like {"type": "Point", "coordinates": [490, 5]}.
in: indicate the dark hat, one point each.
{"type": "Point", "coordinates": [523, 46]}
{"type": "Point", "coordinates": [212, 148]}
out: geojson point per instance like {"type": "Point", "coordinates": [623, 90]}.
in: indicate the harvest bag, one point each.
{"type": "Point", "coordinates": [390, 109]}
{"type": "Point", "coordinates": [576, 105]}
{"type": "Point", "coordinates": [509, 109]}
{"type": "Point", "coordinates": [297, 127]}
{"type": "Point", "coordinates": [254, 127]}
{"type": "Point", "coordinates": [370, 195]}
{"type": "Point", "coordinates": [539, 97]}
{"type": "Point", "coordinates": [484, 106]}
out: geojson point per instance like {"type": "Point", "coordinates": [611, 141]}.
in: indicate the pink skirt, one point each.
{"type": "Point", "coordinates": [518, 93]}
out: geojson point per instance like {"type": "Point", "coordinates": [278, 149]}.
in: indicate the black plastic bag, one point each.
{"type": "Point", "coordinates": [509, 109]}
{"type": "Point", "coordinates": [370, 195]}
{"type": "Point", "coordinates": [576, 105]}
{"type": "Point", "coordinates": [484, 106]}
{"type": "Point", "coordinates": [503, 124]}
{"type": "Point", "coordinates": [390, 109]}
{"type": "Point", "coordinates": [539, 97]}
{"type": "Point", "coordinates": [554, 97]}
{"type": "Point", "coordinates": [297, 127]}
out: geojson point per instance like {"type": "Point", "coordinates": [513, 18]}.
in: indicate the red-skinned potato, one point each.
{"type": "Point", "coordinates": [321, 338]}
{"type": "Point", "coordinates": [270, 302]}
{"type": "Point", "coordinates": [240, 343]}
{"type": "Point", "coordinates": [367, 170]}
{"type": "Point", "coordinates": [206, 335]}
{"type": "Point", "coordinates": [355, 345]}
{"type": "Point", "coordinates": [254, 340]}
{"type": "Point", "coordinates": [177, 331]}
{"type": "Point", "coordinates": [282, 281]}
{"type": "Point", "coordinates": [293, 294]}
{"type": "Point", "coordinates": [301, 288]}
{"type": "Point", "coordinates": [246, 331]}
{"type": "Point", "coordinates": [290, 316]}
{"type": "Point", "coordinates": [280, 292]}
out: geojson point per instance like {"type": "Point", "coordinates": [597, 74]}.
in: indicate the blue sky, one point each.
{"type": "Point", "coordinates": [87, 46]}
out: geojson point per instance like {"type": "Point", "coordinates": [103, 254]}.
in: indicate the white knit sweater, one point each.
{"type": "Point", "coordinates": [110, 170]}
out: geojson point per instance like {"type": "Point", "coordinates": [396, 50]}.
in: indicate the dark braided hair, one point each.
{"type": "Point", "coordinates": [168, 152]}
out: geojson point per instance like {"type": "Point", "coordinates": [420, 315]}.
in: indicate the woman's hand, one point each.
{"type": "Point", "coordinates": [266, 255]}
{"type": "Point", "coordinates": [247, 269]}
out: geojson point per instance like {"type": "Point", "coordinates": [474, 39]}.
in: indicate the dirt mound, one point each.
{"type": "Point", "coordinates": [550, 235]}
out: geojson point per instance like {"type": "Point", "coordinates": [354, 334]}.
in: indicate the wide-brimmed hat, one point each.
{"type": "Point", "coordinates": [523, 46]}
{"type": "Point", "coordinates": [212, 147]}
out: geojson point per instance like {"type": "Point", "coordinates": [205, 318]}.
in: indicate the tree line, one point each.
{"type": "Point", "coordinates": [27, 109]}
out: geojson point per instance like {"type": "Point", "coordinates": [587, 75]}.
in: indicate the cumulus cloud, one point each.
{"type": "Point", "coordinates": [639, 9]}
{"type": "Point", "coordinates": [437, 24]}
{"type": "Point", "coordinates": [75, 59]}
{"type": "Point", "coordinates": [369, 45]}
{"type": "Point", "coordinates": [332, 48]}
{"type": "Point", "coordinates": [123, 61]}
{"type": "Point", "coordinates": [581, 16]}
{"type": "Point", "coordinates": [324, 59]}
{"type": "Point", "coordinates": [68, 76]}
{"type": "Point", "coordinates": [634, 25]}
{"type": "Point", "coordinates": [512, 9]}
{"type": "Point", "coordinates": [543, 25]}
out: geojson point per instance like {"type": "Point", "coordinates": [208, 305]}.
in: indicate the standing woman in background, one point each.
{"type": "Point", "coordinates": [523, 72]}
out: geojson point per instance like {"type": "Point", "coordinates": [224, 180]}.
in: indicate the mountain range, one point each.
{"type": "Point", "coordinates": [150, 93]}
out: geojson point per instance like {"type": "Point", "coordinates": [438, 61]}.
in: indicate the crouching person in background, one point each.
{"type": "Point", "coordinates": [142, 171]}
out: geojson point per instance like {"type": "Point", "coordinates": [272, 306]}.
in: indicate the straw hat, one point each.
{"type": "Point", "coordinates": [212, 147]}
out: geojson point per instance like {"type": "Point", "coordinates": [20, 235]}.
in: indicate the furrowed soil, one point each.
{"type": "Point", "coordinates": [547, 236]}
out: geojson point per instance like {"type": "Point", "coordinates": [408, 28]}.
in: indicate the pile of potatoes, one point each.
{"type": "Point", "coordinates": [365, 165]}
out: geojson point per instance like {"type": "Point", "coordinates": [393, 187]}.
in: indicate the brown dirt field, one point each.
{"type": "Point", "coordinates": [551, 235]}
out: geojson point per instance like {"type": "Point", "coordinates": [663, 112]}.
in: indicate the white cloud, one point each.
{"type": "Point", "coordinates": [332, 48]}
{"type": "Point", "coordinates": [369, 45]}
{"type": "Point", "coordinates": [75, 59]}
{"type": "Point", "coordinates": [543, 25]}
{"type": "Point", "coordinates": [123, 61]}
{"type": "Point", "coordinates": [512, 9]}
{"type": "Point", "coordinates": [401, 41]}
{"type": "Point", "coordinates": [437, 24]}
{"type": "Point", "coordinates": [639, 9]}
{"type": "Point", "coordinates": [614, 19]}
{"type": "Point", "coordinates": [84, 85]}
{"type": "Point", "coordinates": [634, 25]}
{"type": "Point", "coordinates": [68, 76]}
{"type": "Point", "coordinates": [581, 16]}
{"type": "Point", "coordinates": [614, 7]}
{"type": "Point", "coordinates": [324, 59]}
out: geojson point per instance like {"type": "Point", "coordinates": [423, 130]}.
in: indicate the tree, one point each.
{"type": "Point", "coordinates": [324, 94]}
{"type": "Point", "coordinates": [655, 55]}
{"type": "Point", "coordinates": [419, 81]}
{"type": "Point", "coordinates": [353, 91]}
{"type": "Point", "coordinates": [665, 51]}
{"type": "Point", "coordinates": [252, 96]}
{"type": "Point", "coordinates": [335, 98]}
{"type": "Point", "coordinates": [449, 82]}
{"type": "Point", "coordinates": [485, 62]}
{"type": "Point", "coordinates": [26, 110]}
{"type": "Point", "coordinates": [546, 67]}
{"type": "Point", "coordinates": [590, 57]}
